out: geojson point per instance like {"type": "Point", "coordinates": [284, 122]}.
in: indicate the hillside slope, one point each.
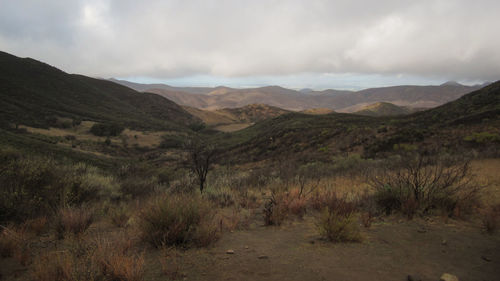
{"type": "Point", "coordinates": [34, 94]}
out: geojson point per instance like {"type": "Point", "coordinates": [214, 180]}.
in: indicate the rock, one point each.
{"type": "Point", "coordinates": [230, 252]}
{"type": "Point", "coordinates": [444, 242]}
{"type": "Point", "coordinates": [448, 277]}
{"type": "Point", "coordinates": [246, 247]}
{"type": "Point", "coordinates": [263, 257]}
{"type": "Point", "coordinates": [421, 230]}
{"type": "Point", "coordinates": [486, 258]}
{"type": "Point", "coordinates": [413, 278]}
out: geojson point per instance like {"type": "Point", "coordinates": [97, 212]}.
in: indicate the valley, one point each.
{"type": "Point", "coordinates": [114, 180]}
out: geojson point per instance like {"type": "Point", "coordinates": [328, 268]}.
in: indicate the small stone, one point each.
{"type": "Point", "coordinates": [444, 242]}
{"type": "Point", "coordinates": [246, 247]}
{"type": "Point", "coordinates": [421, 230]}
{"type": "Point", "coordinates": [230, 252]}
{"type": "Point", "coordinates": [413, 278]}
{"type": "Point", "coordinates": [486, 258]}
{"type": "Point", "coordinates": [263, 257]}
{"type": "Point", "coordinates": [448, 277]}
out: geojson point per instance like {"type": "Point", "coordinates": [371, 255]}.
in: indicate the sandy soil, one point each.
{"type": "Point", "coordinates": [390, 251]}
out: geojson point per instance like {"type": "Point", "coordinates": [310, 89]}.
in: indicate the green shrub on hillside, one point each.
{"type": "Point", "coordinates": [483, 137]}
{"type": "Point", "coordinates": [106, 130]}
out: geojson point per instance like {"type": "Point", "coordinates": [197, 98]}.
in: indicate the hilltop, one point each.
{"type": "Point", "coordinates": [383, 109]}
{"type": "Point", "coordinates": [232, 119]}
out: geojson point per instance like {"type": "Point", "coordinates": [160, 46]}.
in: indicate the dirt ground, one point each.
{"type": "Point", "coordinates": [390, 251]}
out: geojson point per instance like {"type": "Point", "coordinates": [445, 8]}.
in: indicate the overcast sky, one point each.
{"type": "Point", "coordinates": [293, 43]}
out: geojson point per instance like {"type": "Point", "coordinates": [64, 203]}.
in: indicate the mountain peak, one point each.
{"type": "Point", "coordinates": [451, 83]}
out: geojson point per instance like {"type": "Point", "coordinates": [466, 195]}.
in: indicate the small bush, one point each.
{"type": "Point", "coordinates": [73, 221]}
{"type": "Point", "coordinates": [338, 221]}
{"type": "Point", "coordinates": [176, 220]}
{"type": "Point", "coordinates": [276, 208]}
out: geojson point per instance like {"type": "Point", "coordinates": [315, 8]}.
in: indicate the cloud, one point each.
{"type": "Point", "coordinates": [167, 39]}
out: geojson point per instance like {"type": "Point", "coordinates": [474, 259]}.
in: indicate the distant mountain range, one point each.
{"type": "Point", "coordinates": [306, 99]}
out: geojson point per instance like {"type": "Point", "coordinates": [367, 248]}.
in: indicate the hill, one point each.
{"type": "Point", "coordinates": [383, 109]}
{"type": "Point", "coordinates": [36, 94]}
{"type": "Point", "coordinates": [472, 120]}
{"type": "Point", "coordinates": [338, 100]}
{"type": "Point", "coordinates": [232, 119]}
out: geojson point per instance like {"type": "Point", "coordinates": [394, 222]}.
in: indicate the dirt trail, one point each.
{"type": "Point", "coordinates": [390, 251]}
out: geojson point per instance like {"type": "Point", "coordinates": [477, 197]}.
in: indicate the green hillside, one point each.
{"type": "Point", "coordinates": [36, 94]}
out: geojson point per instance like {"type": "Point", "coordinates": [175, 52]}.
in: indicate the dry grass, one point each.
{"type": "Point", "coordinates": [37, 225]}
{"type": "Point", "coordinates": [116, 263]}
{"type": "Point", "coordinates": [486, 171]}
{"type": "Point", "coordinates": [54, 266]}
{"type": "Point", "coordinates": [119, 215]}
{"type": "Point", "coordinates": [14, 242]}
{"type": "Point", "coordinates": [73, 221]}
{"type": "Point", "coordinates": [144, 139]}
{"type": "Point", "coordinates": [81, 132]}
{"type": "Point", "coordinates": [170, 263]}
{"type": "Point", "coordinates": [232, 127]}
{"type": "Point", "coordinates": [490, 218]}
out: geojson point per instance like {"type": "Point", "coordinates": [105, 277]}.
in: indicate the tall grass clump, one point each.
{"type": "Point", "coordinates": [178, 220]}
{"type": "Point", "coordinates": [73, 221]}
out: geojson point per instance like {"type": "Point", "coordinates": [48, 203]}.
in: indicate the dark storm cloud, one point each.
{"type": "Point", "coordinates": [452, 39]}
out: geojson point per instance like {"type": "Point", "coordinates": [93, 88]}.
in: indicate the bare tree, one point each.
{"type": "Point", "coordinates": [200, 158]}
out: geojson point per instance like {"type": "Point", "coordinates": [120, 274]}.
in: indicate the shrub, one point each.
{"type": "Point", "coordinates": [338, 220]}
{"type": "Point", "coordinates": [37, 186]}
{"type": "Point", "coordinates": [73, 220]}
{"type": "Point", "coordinates": [276, 208]}
{"type": "Point", "coordinates": [106, 130]}
{"type": "Point", "coordinates": [175, 220]}
{"type": "Point", "coordinates": [137, 180]}
{"type": "Point", "coordinates": [418, 183]}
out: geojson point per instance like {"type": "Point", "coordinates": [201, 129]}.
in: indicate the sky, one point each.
{"type": "Point", "coordinates": [343, 44]}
